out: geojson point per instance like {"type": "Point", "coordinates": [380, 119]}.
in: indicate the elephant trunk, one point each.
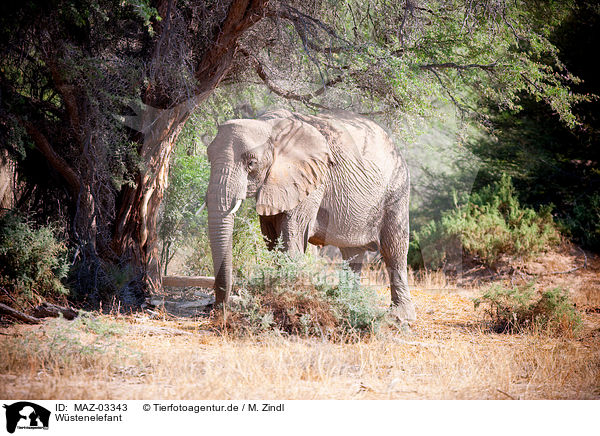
{"type": "Point", "coordinates": [220, 231]}
{"type": "Point", "coordinates": [224, 195]}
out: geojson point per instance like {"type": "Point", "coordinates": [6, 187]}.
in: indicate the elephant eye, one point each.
{"type": "Point", "coordinates": [252, 164]}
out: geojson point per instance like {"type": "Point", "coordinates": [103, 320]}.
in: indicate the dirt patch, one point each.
{"type": "Point", "coordinates": [574, 270]}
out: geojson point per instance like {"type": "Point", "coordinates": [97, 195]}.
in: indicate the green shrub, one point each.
{"type": "Point", "coordinates": [491, 225]}
{"type": "Point", "coordinates": [304, 296]}
{"type": "Point", "coordinates": [249, 248]}
{"type": "Point", "coordinates": [32, 261]}
{"type": "Point", "coordinates": [179, 220]}
{"type": "Point", "coordinates": [522, 308]}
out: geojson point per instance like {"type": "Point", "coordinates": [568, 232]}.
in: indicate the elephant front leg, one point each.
{"type": "Point", "coordinates": [297, 225]}
{"type": "Point", "coordinates": [294, 234]}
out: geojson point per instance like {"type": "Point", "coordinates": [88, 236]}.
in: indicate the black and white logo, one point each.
{"type": "Point", "coordinates": [26, 415]}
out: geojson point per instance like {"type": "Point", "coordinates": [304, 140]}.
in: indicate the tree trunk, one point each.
{"type": "Point", "coordinates": [7, 181]}
{"type": "Point", "coordinates": [135, 233]}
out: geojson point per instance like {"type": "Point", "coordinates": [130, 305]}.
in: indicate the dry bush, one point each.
{"type": "Point", "coordinates": [523, 308]}
{"type": "Point", "coordinates": [304, 314]}
{"type": "Point", "coordinates": [302, 296]}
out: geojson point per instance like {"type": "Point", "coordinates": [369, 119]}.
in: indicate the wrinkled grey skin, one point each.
{"type": "Point", "coordinates": [333, 179]}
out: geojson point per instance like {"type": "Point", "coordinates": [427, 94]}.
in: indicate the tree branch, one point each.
{"type": "Point", "coordinates": [53, 158]}
{"type": "Point", "coordinates": [242, 15]}
{"type": "Point", "coordinates": [66, 92]}
{"type": "Point", "coordinates": [441, 82]}
{"type": "Point", "coordinates": [299, 18]}
{"type": "Point", "coordinates": [308, 28]}
{"type": "Point", "coordinates": [304, 98]}
{"type": "Point", "coordinates": [302, 22]}
{"type": "Point", "coordinates": [486, 67]}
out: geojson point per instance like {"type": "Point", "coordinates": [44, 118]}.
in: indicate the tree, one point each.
{"type": "Point", "coordinates": [95, 93]}
{"type": "Point", "coordinates": [68, 68]}
{"type": "Point", "coordinates": [550, 162]}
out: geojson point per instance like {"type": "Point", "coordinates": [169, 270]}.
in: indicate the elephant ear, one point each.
{"type": "Point", "coordinates": [301, 157]}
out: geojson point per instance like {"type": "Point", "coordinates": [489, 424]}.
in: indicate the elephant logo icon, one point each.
{"type": "Point", "coordinates": [26, 415]}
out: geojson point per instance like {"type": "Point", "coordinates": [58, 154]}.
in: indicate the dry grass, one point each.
{"type": "Point", "coordinates": [375, 274]}
{"type": "Point", "coordinates": [447, 355]}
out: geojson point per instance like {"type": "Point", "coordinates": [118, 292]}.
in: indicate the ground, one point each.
{"type": "Point", "coordinates": [449, 353]}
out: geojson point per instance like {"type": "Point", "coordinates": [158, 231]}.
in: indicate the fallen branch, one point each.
{"type": "Point", "coordinates": [46, 310]}
{"type": "Point", "coordinates": [7, 310]}
{"type": "Point", "coordinates": [185, 281]}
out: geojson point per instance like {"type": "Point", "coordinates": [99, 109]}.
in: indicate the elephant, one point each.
{"type": "Point", "coordinates": [330, 179]}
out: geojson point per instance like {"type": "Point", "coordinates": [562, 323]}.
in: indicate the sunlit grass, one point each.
{"type": "Point", "coordinates": [448, 354]}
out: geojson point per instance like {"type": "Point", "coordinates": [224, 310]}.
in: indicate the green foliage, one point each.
{"type": "Point", "coordinates": [492, 224]}
{"type": "Point", "coordinates": [181, 217]}
{"type": "Point", "coordinates": [522, 308]}
{"type": "Point", "coordinates": [548, 165]}
{"type": "Point", "coordinates": [32, 261]}
{"type": "Point", "coordinates": [583, 222]}
{"type": "Point", "coordinates": [398, 57]}
{"type": "Point", "coordinates": [249, 247]}
{"type": "Point", "coordinates": [548, 161]}
{"type": "Point", "coordinates": [302, 295]}
{"type": "Point", "coordinates": [144, 10]}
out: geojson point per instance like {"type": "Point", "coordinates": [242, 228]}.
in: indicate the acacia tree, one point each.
{"type": "Point", "coordinates": [95, 93]}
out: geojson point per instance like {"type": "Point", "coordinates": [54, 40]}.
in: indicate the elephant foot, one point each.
{"type": "Point", "coordinates": [404, 312]}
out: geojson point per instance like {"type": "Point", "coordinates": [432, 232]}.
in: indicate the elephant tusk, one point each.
{"type": "Point", "coordinates": [236, 207]}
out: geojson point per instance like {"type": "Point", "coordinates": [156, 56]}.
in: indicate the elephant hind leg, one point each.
{"type": "Point", "coordinates": [355, 257]}
{"type": "Point", "coordinates": [394, 249]}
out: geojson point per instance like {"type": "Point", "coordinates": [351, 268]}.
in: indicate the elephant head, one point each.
{"type": "Point", "coordinates": [277, 158]}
